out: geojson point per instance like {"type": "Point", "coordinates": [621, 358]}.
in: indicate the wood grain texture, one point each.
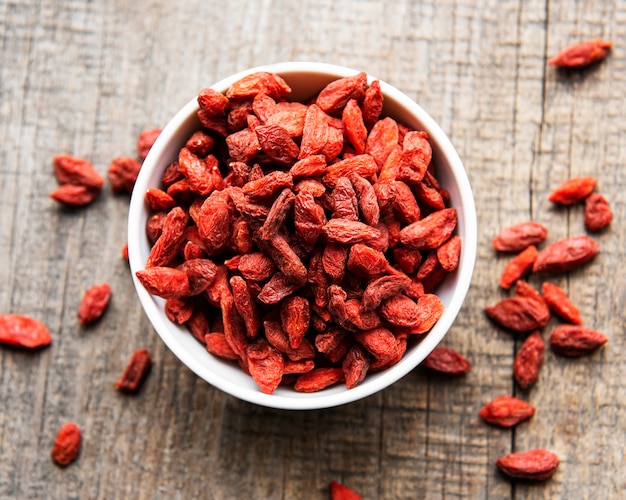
{"type": "Point", "coordinates": [86, 77]}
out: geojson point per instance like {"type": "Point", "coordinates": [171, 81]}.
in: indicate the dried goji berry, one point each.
{"type": "Point", "coordinates": [217, 344]}
{"type": "Point", "coordinates": [318, 379]}
{"type": "Point", "coordinates": [566, 255]}
{"type": "Point", "coordinates": [449, 252]}
{"type": "Point", "coordinates": [200, 143]}
{"type": "Point", "coordinates": [349, 231]}
{"type": "Point", "coordinates": [171, 240]}
{"type": "Point", "coordinates": [382, 140]}
{"type": "Point", "coordinates": [447, 360]}
{"type": "Point", "coordinates": [94, 303]}
{"type": "Point", "coordinates": [263, 106]}
{"type": "Point", "coordinates": [201, 273]}
{"type": "Point", "coordinates": [366, 262]}
{"type": "Point", "coordinates": [66, 446]}
{"type": "Point", "coordinates": [355, 366]}
{"type": "Point", "coordinates": [506, 411]}
{"type": "Point", "coordinates": [245, 305]}
{"type": "Point", "coordinates": [290, 116]}
{"type": "Point", "coordinates": [146, 140]}
{"type": "Point", "coordinates": [310, 166]}
{"type": "Point", "coordinates": [136, 371]}
{"type": "Point", "coordinates": [517, 268]}
{"type": "Point", "coordinates": [574, 341]}
{"type": "Point", "coordinates": [354, 126]}
{"type": "Point", "coordinates": [337, 93]}
{"type": "Point", "coordinates": [383, 288]}
{"type": "Point", "coordinates": [405, 205]}
{"type": "Point", "coordinates": [537, 464]}
{"type": "Point", "coordinates": [339, 491]}
{"type": "Point", "coordinates": [295, 315]}
{"type": "Point", "coordinates": [581, 54]}
{"type": "Point", "coordinates": [178, 310]}
{"type": "Point", "coordinates": [256, 266]}
{"type": "Point", "coordinates": [379, 342]}
{"type": "Point", "coordinates": [314, 133]}
{"type": "Point", "coordinates": [520, 314]}
{"type": "Point", "coordinates": [159, 200]}
{"type": "Point", "coordinates": [517, 237]}
{"type": "Point", "coordinates": [262, 81]}
{"type": "Point", "coordinates": [77, 171]}
{"type": "Point", "coordinates": [122, 174]}
{"type": "Point", "coordinates": [362, 165]}
{"type": "Point", "coordinates": [416, 156]}
{"type": "Point", "coordinates": [265, 365]}
{"type": "Point", "coordinates": [430, 309]}
{"type": "Point", "coordinates": [24, 331]}
{"type": "Point", "coordinates": [165, 282]}
{"type": "Point", "coordinates": [277, 337]}
{"type": "Point", "coordinates": [277, 143]}
{"type": "Point", "coordinates": [528, 360]}
{"type": "Point", "coordinates": [203, 175]}
{"type": "Point", "coordinates": [400, 310]}
{"type": "Point", "coordinates": [372, 104]}
{"type": "Point", "coordinates": [560, 303]}
{"type": "Point", "coordinates": [598, 213]}
{"type": "Point", "coordinates": [75, 195]}
{"type": "Point", "coordinates": [431, 231]}
{"type": "Point", "coordinates": [573, 190]}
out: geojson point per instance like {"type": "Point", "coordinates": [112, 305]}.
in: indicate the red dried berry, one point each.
{"type": "Point", "coordinates": [94, 303]}
{"type": "Point", "coordinates": [136, 371]}
{"type": "Point", "coordinates": [67, 444]}
{"type": "Point", "coordinates": [23, 331]}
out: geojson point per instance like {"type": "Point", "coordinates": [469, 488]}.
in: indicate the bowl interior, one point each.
{"type": "Point", "coordinates": [305, 79]}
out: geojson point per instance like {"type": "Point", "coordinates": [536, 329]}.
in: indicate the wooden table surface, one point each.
{"type": "Point", "coordinates": [86, 78]}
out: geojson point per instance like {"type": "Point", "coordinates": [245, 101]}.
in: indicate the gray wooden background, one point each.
{"type": "Point", "coordinates": [85, 77]}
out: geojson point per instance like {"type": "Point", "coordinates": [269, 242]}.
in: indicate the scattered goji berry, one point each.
{"type": "Point", "coordinates": [122, 174]}
{"type": "Point", "coordinates": [519, 314]}
{"type": "Point", "coordinates": [528, 360]}
{"type": "Point", "coordinates": [340, 491]}
{"type": "Point", "coordinates": [517, 268]}
{"type": "Point", "coordinates": [517, 237]}
{"type": "Point", "coordinates": [560, 303]}
{"type": "Point", "coordinates": [72, 194]}
{"type": "Point", "coordinates": [598, 213]}
{"type": "Point", "coordinates": [573, 190]}
{"type": "Point", "coordinates": [136, 371]}
{"type": "Point", "coordinates": [66, 446]}
{"type": "Point", "coordinates": [566, 255]}
{"type": "Point", "coordinates": [78, 172]}
{"type": "Point", "coordinates": [448, 361]}
{"type": "Point", "coordinates": [24, 331]}
{"type": "Point", "coordinates": [94, 303]}
{"type": "Point", "coordinates": [574, 341]}
{"type": "Point", "coordinates": [581, 54]}
{"type": "Point", "coordinates": [506, 411]}
{"type": "Point", "coordinates": [146, 140]}
{"type": "Point", "coordinates": [537, 464]}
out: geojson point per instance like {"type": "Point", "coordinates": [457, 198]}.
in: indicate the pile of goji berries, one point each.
{"type": "Point", "coordinates": [302, 240]}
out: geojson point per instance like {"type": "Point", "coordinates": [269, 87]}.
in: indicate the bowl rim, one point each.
{"type": "Point", "coordinates": [377, 382]}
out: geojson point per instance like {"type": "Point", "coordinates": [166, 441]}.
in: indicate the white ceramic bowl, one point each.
{"type": "Point", "coordinates": [305, 79]}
